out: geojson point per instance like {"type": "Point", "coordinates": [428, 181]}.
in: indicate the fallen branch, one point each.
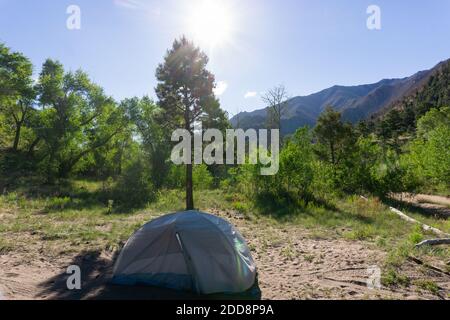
{"type": "Point", "coordinates": [424, 226]}
{"type": "Point", "coordinates": [433, 242]}
{"type": "Point", "coordinates": [354, 282]}
{"type": "Point", "coordinates": [338, 270]}
{"type": "Point", "coordinates": [420, 262]}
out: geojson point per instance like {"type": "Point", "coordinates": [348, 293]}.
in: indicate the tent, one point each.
{"type": "Point", "coordinates": [187, 251]}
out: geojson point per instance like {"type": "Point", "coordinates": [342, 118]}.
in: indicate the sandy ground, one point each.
{"type": "Point", "coordinates": [292, 264]}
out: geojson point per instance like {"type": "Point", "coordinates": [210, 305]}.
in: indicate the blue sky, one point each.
{"type": "Point", "coordinates": [305, 45]}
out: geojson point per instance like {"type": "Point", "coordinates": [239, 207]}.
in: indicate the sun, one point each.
{"type": "Point", "coordinates": [210, 23]}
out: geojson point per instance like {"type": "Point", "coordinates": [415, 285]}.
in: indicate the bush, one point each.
{"type": "Point", "coordinates": [296, 170]}
{"type": "Point", "coordinates": [201, 177]}
{"type": "Point", "coordinates": [176, 177]}
{"type": "Point", "coordinates": [369, 169]}
{"type": "Point", "coordinates": [134, 188]}
{"type": "Point", "coordinates": [58, 203]}
{"type": "Point", "coordinates": [427, 162]}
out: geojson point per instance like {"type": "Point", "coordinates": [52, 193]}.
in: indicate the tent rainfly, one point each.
{"type": "Point", "coordinates": [187, 251]}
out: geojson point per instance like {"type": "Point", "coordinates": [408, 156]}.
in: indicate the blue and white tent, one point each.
{"type": "Point", "coordinates": [188, 251]}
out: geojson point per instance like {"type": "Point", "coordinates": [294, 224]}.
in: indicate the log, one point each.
{"type": "Point", "coordinates": [424, 226]}
{"type": "Point", "coordinates": [433, 242]}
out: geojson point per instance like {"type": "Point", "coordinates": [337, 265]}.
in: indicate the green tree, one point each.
{"type": "Point", "coordinates": [433, 119]}
{"type": "Point", "coordinates": [216, 118]}
{"type": "Point", "coordinates": [134, 187]}
{"type": "Point", "coordinates": [76, 118]}
{"type": "Point", "coordinates": [16, 90]}
{"type": "Point", "coordinates": [296, 160]}
{"type": "Point", "coordinates": [335, 139]}
{"type": "Point", "coordinates": [184, 90]}
{"type": "Point", "coordinates": [372, 169]}
{"type": "Point", "coordinates": [427, 159]}
{"type": "Point", "coordinates": [144, 114]}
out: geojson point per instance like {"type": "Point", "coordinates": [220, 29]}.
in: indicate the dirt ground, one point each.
{"type": "Point", "coordinates": [292, 264]}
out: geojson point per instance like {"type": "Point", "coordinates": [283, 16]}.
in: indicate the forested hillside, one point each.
{"type": "Point", "coordinates": [401, 118]}
{"type": "Point", "coordinates": [356, 103]}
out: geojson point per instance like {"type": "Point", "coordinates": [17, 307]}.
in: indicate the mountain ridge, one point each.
{"type": "Point", "coordinates": [356, 103]}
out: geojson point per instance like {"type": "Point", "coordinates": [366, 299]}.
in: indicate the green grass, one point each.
{"type": "Point", "coordinates": [351, 218]}
{"type": "Point", "coordinates": [77, 219]}
{"type": "Point", "coordinates": [427, 285]}
{"type": "Point", "coordinates": [393, 278]}
{"type": "Point", "coordinates": [74, 216]}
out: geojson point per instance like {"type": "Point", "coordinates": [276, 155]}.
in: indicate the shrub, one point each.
{"type": "Point", "coordinates": [427, 160]}
{"type": "Point", "coordinates": [392, 278]}
{"type": "Point", "coordinates": [58, 203]}
{"type": "Point", "coordinates": [201, 177]}
{"type": "Point", "coordinates": [134, 187]}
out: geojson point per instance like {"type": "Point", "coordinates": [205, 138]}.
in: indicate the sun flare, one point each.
{"type": "Point", "coordinates": [210, 23]}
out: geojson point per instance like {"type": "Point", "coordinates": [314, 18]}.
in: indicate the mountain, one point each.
{"type": "Point", "coordinates": [355, 102]}
{"type": "Point", "coordinates": [434, 93]}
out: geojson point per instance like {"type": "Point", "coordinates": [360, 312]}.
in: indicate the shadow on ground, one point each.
{"type": "Point", "coordinates": [96, 272]}
{"type": "Point", "coordinates": [426, 210]}
{"type": "Point", "coordinates": [288, 206]}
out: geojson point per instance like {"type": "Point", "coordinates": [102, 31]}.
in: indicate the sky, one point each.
{"type": "Point", "coordinates": [254, 45]}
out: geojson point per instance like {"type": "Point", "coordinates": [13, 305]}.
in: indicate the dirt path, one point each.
{"type": "Point", "coordinates": [292, 265]}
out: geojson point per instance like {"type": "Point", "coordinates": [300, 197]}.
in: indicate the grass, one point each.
{"type": "Point", "coordinates": [350, 218]}
{"type": "Point", "coordinates": [393, 278]}
{"type": "Point", "coordinates": [73, 216]}
{"type": "Point", "coordinates": [78, 219]}
{"type": "Point", "coordinates": [427, 285]}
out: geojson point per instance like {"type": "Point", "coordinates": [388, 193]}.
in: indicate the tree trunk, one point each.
{"type": "Point", "coordinates": [189, 184]}
{"type": "Point", "coordinates": [17, 136]}
{"type": "Point", "coordinates": [189, 188]}
{"type": "Point", "coordinates": [50, 177]}
{"type": "Point", "coordinates": [32, 146]}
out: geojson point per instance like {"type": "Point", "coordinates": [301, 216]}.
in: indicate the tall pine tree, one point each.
{"type": "Point", "coordinates": [184, 91]}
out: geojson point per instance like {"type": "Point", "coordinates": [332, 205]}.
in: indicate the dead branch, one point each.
{"type": "Point", "coordinates": [433, 242]}
{"type": "Point", "coordinates": [424, 226]}
{"type": "Point", "coordinates": [420, 262]}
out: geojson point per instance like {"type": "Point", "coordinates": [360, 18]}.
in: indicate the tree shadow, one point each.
{"type": "Point", "coordinates": [284, 204]}
{"type": "Point", "coordinates": [96, 273]}
{"type": "Point", "coordinates": [287, 206]}
{"type": "Point", "coordinates": [64, 195]}
{"type": "Point", "coordinates": [432, 211]}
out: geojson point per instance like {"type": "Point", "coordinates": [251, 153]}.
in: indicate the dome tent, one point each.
{"type": "Point", "coordinates": [187, 251]}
